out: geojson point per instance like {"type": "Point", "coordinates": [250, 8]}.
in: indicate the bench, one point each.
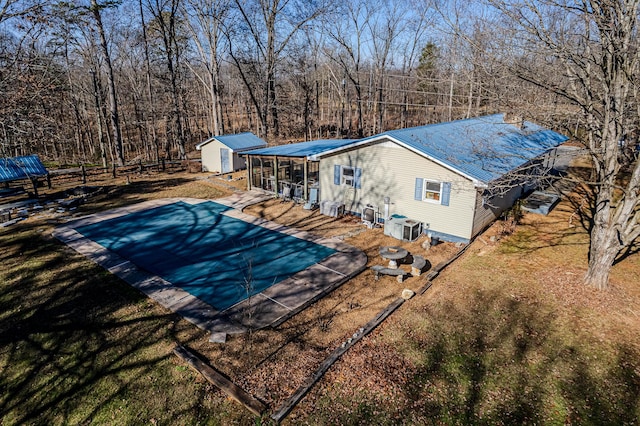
{"type": "Point", "coordinates": [383, 270]}
{"type": "Point", "coordinates": [418, 264]}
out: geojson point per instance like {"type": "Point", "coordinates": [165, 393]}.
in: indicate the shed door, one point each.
{"type": "Point", "coordinates": [225, 164]}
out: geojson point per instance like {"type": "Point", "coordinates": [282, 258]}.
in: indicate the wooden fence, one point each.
{"type": "Point", "coordinates": [87, 173]}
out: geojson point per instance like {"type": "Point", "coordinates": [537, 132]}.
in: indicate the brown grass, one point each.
{"type": "Point", "coordinates": [260, 360]}
{"type": "Point", "coordinates": [507, 334]}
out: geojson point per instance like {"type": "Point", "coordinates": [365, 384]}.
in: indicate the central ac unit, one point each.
{"type": "Point", "coordinates": [370, 215]}
{"type": "Point", "coordinates": [402, 228]}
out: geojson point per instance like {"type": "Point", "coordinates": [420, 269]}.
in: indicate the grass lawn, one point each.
{"type": "Point", "coordinates": [506, 335]}
{"type": "Point", "coordinates": [78, 346]}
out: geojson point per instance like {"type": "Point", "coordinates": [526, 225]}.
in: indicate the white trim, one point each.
{"type": "Point", "coordinates": [201, 144]}
{"type": "Point", "coordinates": [375, 139]}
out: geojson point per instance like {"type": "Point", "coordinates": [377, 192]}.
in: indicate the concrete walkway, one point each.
{"type": "Point", "coordinates": [267, 308]}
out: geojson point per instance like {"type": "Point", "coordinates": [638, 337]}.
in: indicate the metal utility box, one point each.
{"type": "Point", "coordinates": [402, 228]}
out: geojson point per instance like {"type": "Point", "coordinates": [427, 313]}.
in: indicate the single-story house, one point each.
{"type": "Point", "coordinates": [452, 179]}
{"type": "Point", "coordinates": [220, 153]}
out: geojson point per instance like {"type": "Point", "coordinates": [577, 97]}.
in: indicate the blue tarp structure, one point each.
{"type": "Point", "coordinates": [24, 167]}
{"type": "Point", "coordinates": [21, 168]}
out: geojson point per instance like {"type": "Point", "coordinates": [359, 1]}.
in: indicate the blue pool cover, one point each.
{"type": "Point", "coordinates": [218, 259]}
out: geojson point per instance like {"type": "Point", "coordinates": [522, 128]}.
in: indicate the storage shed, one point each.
{"type": "Point", "coordinates": [220, 154]}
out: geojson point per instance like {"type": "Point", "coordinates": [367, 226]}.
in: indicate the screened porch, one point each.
{"type": "Point", "coordinates": [287, 177]}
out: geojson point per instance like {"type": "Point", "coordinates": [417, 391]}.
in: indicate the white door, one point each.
{"type": "Point", "coordinates": [225, 164]}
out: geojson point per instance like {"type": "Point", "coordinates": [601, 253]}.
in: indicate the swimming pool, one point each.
{"type": "Point", "coordinates": [219, 259]}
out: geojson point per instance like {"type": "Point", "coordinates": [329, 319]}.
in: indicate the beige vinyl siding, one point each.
{"type": "Point", "coordinates": [484, 214]}
{"type": "Point", "coordinates": [391, 170]}
{"type": "Point", "coordinates": [491, 209]}
{"type": "Point", "coordinates": [210, 155]}
{"type": "Point", "coordinates": [211, 160]}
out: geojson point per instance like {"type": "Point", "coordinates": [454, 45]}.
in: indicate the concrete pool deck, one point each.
{"type": "Point", "coordinates": [267, 308]}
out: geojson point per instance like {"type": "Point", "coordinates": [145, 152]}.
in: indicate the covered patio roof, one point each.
{"type": "Point", "coordinates": [307, 150]}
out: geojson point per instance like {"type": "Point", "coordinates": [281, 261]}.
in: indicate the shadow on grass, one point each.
{"type": "Point", "coordinates": [497, 360]}
{"type": "Point", "coordinates": [582, 199]}
{"type": "Point", "coordinates": [114, 196]}
{"type": "Point", "coordinates": [77, 345]}
{"type": "Point", "coordinates": [553, 231]}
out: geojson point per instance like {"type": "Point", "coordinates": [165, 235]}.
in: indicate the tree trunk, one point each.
{"type": "Point", "coordinates": [602, 253]}
{"type": "Point", "coordinates": [360, 112]}
{"type": "Point", "coordinates": [113, 110]}
{"type": "Point", "coordinates": [274, 105]}
{"type": "Point", "coordinates": [96, 94]}
{"type": "Point", "coordinates": [147, 63]}
{"type": "Point", "coordinates": [601, 68]}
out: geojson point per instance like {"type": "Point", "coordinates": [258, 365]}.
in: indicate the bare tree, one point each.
{"type": "Point", "coordinates": [19, 8]}
{"type": "Point", "coordinates": [412, 42]}
{"type": "Point", "coordinates": [592, 48]}
{"type": "Point", "coordinates": [347, 33]}
{"type": "Point", "coordinates": [147, 63]}
{"type": "Point", "coordinates": [113, 99]}
{"type": "Point", "coordinates": [270, 25]}
{"type": "Point", "coordinates": [205, 19]}
{"type": "Point", "coordinates": [166, 28]}
{"type": "Point", "coordinates": [384, 29]}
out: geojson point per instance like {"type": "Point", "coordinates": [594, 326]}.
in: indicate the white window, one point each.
{"type": "Point", "coordinates": [432, 191]}
{"type": "Point", "coordinates": [348, 175]}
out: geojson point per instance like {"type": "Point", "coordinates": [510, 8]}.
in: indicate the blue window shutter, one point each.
{"type": "Point", "coordinates": [336, 174]}
{"type": "Point", "coordinates": [446, 193]}
{"type": "Point", "coordinates": [357, 178]}
{"type": "Point", "coordinates": [418, 191]}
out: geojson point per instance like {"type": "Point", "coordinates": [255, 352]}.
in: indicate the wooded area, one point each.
{"type": "Point", "coordinates": [114, 82]}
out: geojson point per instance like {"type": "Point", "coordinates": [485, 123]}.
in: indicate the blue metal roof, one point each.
{"type": "Point", "coordinates": [302, 149]}
{"type": "Point", "coordinates": [237, 142]}
{"type": "Point", "coordinates": [24, 167]}
{"type": "Point", "coordinates": [482, 148]}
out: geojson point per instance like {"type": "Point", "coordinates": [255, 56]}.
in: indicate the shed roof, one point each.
{"type": "Point", "coordinates": [17, 168]}
{"type": "Point", "coordinates": [303, 149]}
{"type": "Point", "coordinates": [481, 148]}
{"type": "Point", "coordinates": [237, 142]}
